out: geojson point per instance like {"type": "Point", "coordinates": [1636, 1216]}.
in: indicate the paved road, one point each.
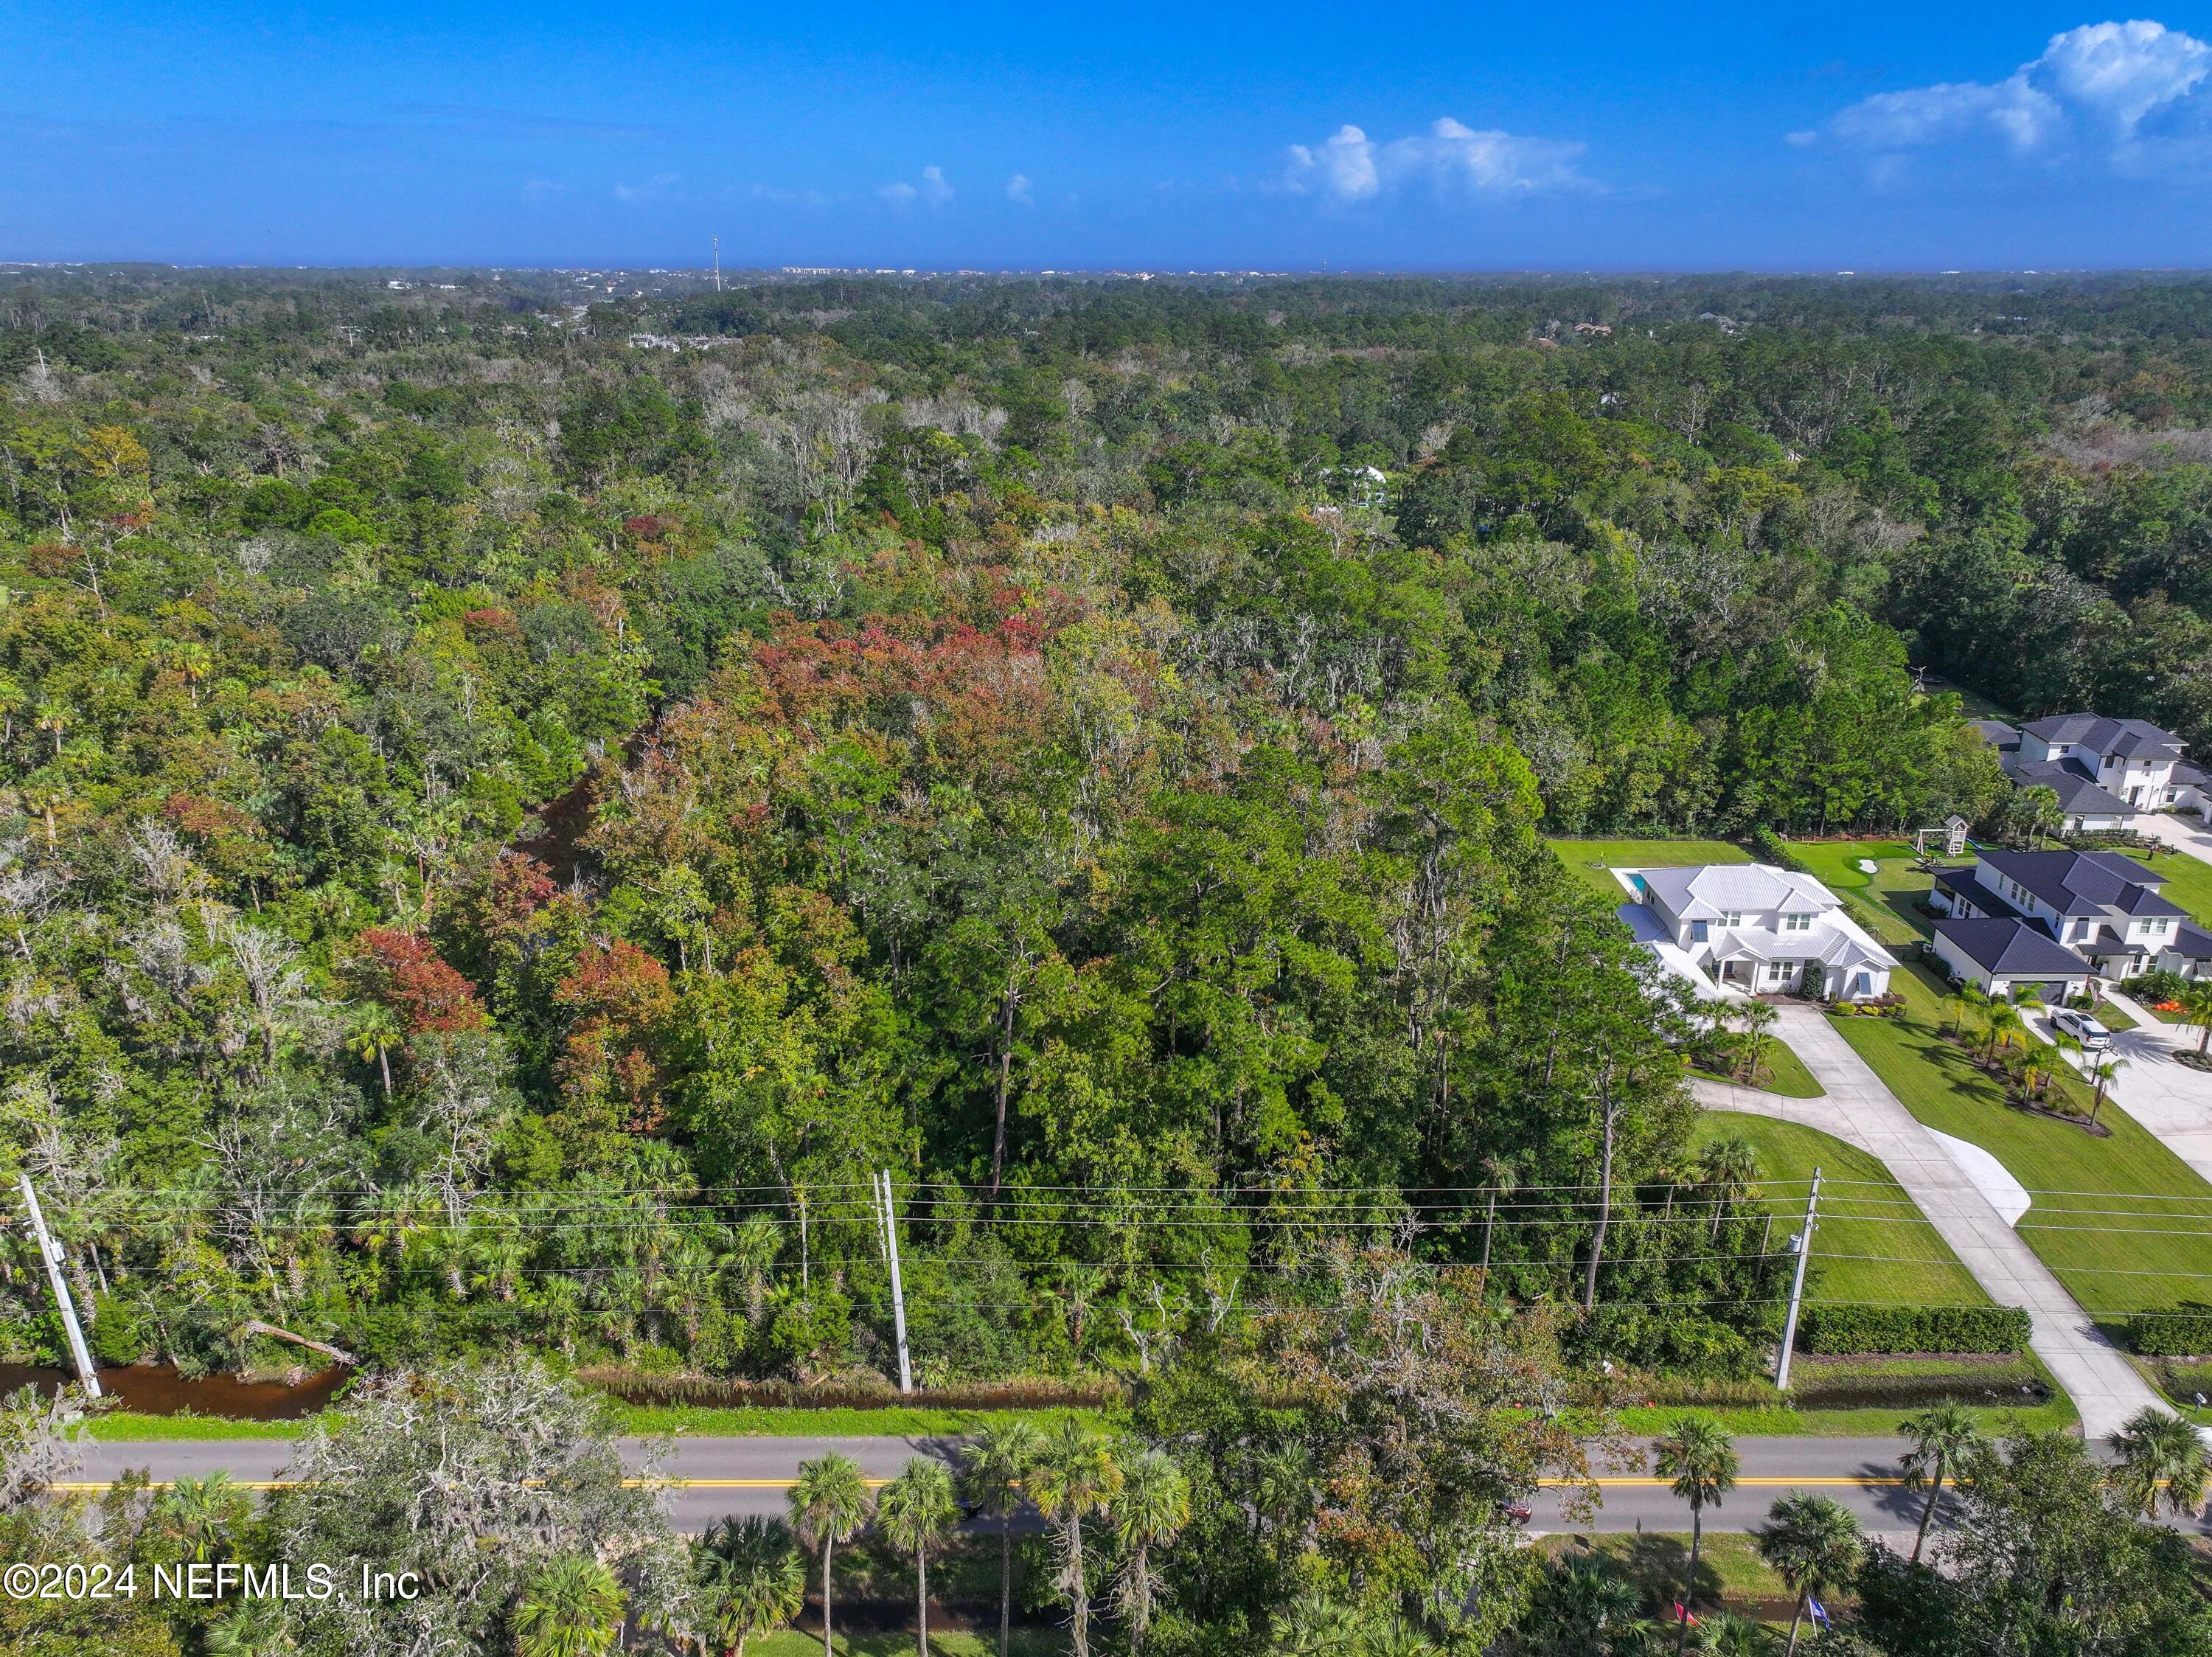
{"type": "Point", "coordinates": [1860, 1110]}
{"type": "Point", "coordinates": [715, 1476]}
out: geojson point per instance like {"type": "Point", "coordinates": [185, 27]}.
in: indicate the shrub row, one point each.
{"type": "Point", "coordinates": [1776, 850]}
{"type": "Point", "coordinates": [1846, 1329]}
{"type": "Point", "coordinates": [2171, 1335]}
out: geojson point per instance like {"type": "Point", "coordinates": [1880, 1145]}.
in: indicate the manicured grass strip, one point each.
{"type": "Point", "coordinates": [1591, 859]}
{"type": "Point", "coordinates": [1885, 902]}
{"type": "Point", "coordinates": [125, 1426]}
{"type": "Point", "coordinates": [1730, 1570]}
{"type": "Point", "coordinates": [1871, 1218]}
{"type": "Point", "coordinates": [2187, 882]}
{"type": "Point", "coordinates": [1784, 1073]}
{"type": "Point", "coordinates": [1779, 1423]}
{"type": "Point", "coordinates": [2157, 1218]}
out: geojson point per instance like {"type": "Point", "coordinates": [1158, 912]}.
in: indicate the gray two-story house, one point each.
{"type": "Point", "coordinates": [2053, 920]}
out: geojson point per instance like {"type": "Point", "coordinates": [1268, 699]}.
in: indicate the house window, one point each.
{"type": "Point", "coordinates": [1698, 931]}
{"type": "Point", "coordinates": [1732, 918]}
{"type": "Point", "coordinates": [1778, 970]}
{"type": "Point", "coordinates": [1797, 923]}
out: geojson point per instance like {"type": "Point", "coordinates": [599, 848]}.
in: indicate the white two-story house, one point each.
{"type": "Point", "coordinates": [2052, 920]}
{"type": "Point", "coordinates": [1736, 929]}
{"type": "Point", "coordinates": [2106, 770]}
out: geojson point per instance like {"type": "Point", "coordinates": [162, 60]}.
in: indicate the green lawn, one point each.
{"type": "Point", "coordinates": [1781, 1071]}
{"type": "Point", "coordinates": [1885, 902]}
{"type": "Point", "coordinates": [1777, 1422]}
{"type": "Point", "coordinates": [1978, 706]}
{"type": "Point", "coordinates": [2121, 1220]}
{"type": "Point", "coordinates": [1591, 858]}
{"type": "Point", "coordinates": [1873, 1246]}
{"type": "Point", "coordinates": [1729, 1570]}
{"type": "Point", "coordinates": [2188, 882]}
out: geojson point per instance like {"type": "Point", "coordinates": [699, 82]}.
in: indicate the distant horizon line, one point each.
{"type": "Point", "coordinates": [754, 273]}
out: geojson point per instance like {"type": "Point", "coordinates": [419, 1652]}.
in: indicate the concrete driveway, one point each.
{"type": "Point", "coordinates": [2182, 833]}
{"type": "Point", "coordinates": [1860, 1110]}
{"type": "Point", "coordinates": [2171, 1100]}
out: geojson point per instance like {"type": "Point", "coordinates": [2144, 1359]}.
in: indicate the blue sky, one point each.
{"type": "Point", "coordinates": [1471, 137]}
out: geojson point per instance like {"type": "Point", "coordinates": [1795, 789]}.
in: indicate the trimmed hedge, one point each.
{"type": "Point", "coordinates": [2171, 1335]}
{"type": "Point", "coordinates": [1772, 848]}
{"type": "Point", "coordinates": [1848, 1329]}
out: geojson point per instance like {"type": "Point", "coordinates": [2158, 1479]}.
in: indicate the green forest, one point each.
{"type": "Point", "coordinates": [514, 806]}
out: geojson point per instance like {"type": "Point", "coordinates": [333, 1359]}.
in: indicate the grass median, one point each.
{"type": "Point", "coordinates": [1874, 1247]}
{"type": "Point", "coordinates": [2120, 1219]}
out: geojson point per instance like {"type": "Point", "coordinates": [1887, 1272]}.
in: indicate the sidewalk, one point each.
{"type": "Point", "coordinates": [1860, 1110]}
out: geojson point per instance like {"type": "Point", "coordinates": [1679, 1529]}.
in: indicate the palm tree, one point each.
{"type": "Point", "coordinates": [2065, 1042]}
{"type": "Point", "coordinates": [376, 1031]}
{"type": "Point", "coordinates": [1943, 1436]}
{"type": "Point", "coordinates": [2196, 1000]}
{"type": "Point", "coordinates": [2003, 1023]}
{"type": "Point", "coordinates": [2102, 1073]}
{"type": "Point", "coordinates": [829, 1505]}
{"type": "Point", "coordinates": [203, 1515]}
{"type": "Point", "coordinates": [2161, 1459]}
{"type": "Point", "coordinates": [751, 1578]}
{"type": "Point", "coordinates": [255, 1629]}
{"type": "Point", "coordinates": [2035, 1074]}
{"type": "Point", "coordinates": [998, 1458]}
{"type": "Point", "coordinates": [1076, 1476]}
{"type": "Point", "coordinates": [1724, 1634]}
{"type": "Point", "coordinates": [1700, 1458]}
{"type": "Point", "coordinates": [1971, 997]}
{"type": "Point", "coordinates": [1813, 1544]}
{"type": "Point", "coordinates": [1150, 1511]}
{"type": "Point", "coordinates": [1588, 1606]}
{"type": "Point", "coordinates": [917, 1511]}
{"type": "Point", "coordinates": [570, 1607]}
{"type": "Point", "coordinates": [1759, 1021]}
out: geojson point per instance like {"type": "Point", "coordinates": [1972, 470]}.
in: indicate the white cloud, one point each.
{"type": "Point", "coordinates": [1449, 158]}
{"type": "Point", "coordinates": [932, 191]}
{"type": "Point", "coordinates": [654, 189]}
{"type": "Point", "coordinates": [1019, 188]}
{"type": "Point", "coordinates": [2100, 90]}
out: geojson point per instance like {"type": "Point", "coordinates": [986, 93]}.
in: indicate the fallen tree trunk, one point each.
{"type": "Point", "coordinates": [255, 1326]}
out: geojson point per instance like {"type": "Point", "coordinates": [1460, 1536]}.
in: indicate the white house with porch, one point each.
{"type": "Point", "coordinates": [1739, 930]}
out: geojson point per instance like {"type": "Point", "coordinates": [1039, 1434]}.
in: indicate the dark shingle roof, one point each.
{"type": "Point", "coordinates": [2194, 942]}
{"type": "Point", "coordinates": [2083, 882]}
{"type": "Point", "coordinates": [2120, 736]}
{"type": "Point", "coordinates": [1998, 734]}
{"type": "Point", "coordinates": [2077, 791]}
{"type": "Point", "coordinates": [2012, 948]}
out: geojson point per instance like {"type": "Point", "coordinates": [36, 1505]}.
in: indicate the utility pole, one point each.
{"type": "Point", "coordinates": [1797, 1281]}
{"type": "Point", "coordinates": [718, 265]}
{"type": "Point", "coordinates": [898, 1292]}
{"type": "Point", "coordinates": [51, 1252]}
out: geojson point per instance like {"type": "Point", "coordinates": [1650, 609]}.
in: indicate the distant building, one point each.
{"type": "Point", "coordinates": [2105, 771]}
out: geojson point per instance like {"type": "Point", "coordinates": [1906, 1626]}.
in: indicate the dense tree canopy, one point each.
{"type": "Point", "coordinates": [514, 807]}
